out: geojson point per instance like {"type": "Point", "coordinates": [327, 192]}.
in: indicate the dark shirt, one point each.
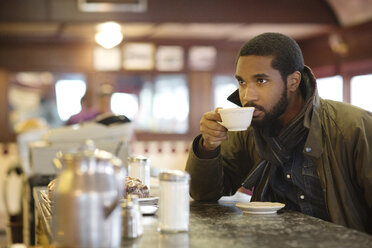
{"type": "Point", "coordinates": [296, 183]}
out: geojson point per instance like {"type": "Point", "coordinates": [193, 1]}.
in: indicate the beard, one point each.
{"type": "Point", "coordinates": [271, 116]}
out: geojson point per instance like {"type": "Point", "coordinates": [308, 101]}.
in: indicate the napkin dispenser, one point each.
{"type": "Point", "coordinates": [111, 133]}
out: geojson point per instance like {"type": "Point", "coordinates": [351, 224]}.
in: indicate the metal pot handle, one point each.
{"type": "Point", "coordinates": [120, 181]}
{"type": "Point", "coordinates": [58, 164]}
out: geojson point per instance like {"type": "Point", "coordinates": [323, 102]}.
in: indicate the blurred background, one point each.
{"type": "Point", "coordinates": [161, 63]}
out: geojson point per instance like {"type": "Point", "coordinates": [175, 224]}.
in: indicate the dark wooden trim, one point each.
{"type": "Point", "coordinates": [5, 133]}
{"type": "Point", "coordinates": [201, 96]}
{"type": "Point", "coordinates": [355, 68]}
{"type": "Point", "coordinates": [324, 71]}
{"type": "Point", "coordinates": [147, 136]}
{"type": "Point", "coordinates": [346, 89]}
{"type": "Point", "coordinates": [239, 11]}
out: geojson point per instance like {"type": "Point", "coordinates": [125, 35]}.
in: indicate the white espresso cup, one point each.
{"type": "Point", "coordinates": [236, 119]}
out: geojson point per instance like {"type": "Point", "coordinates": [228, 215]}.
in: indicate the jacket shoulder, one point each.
{"type": "Point", "coordinates": [344, 117]}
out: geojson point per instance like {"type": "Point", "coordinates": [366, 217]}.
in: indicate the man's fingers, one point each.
{"type": "Point", "coordinates": [212, 115]}
{"type": "Point", "coordinates": [213, 139]}
{"type": "Point", "coordinates": [213, 133]}
{"type": "Point", "coordinates": [211, 124]}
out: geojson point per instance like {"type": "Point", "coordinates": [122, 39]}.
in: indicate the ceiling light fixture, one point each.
{"type": "Point", "coordinates": [338, 44]}
{"type": "Point", "coordinates": [109, 34]}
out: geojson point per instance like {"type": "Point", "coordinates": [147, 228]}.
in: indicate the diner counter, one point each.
{"type": "Point", "coordinates": [224, 225]}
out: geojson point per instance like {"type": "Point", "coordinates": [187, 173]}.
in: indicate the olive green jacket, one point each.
{"type": "Point", "coordinates": [340, 144]}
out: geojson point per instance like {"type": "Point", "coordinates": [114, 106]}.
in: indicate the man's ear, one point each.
{"type": "Point", "coordinates": [293, 81]}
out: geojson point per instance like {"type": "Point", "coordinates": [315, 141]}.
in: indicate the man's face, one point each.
{"type": "Point", "coordinates": [105, 104]}
{"type": "Point", "coordinates": [262, 87]}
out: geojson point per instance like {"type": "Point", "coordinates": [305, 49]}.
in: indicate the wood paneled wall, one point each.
{"type": "Point", "coordinates": [5, 134]}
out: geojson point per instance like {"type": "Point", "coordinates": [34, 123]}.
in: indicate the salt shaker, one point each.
{"type": "Point", "coordinates": [134, 199]}
{"type": "Point", "coordinates": [174, 201]}
{"type": "Point", "coordinates": [130, 220]}
{"type": "Point", "coordinates": [139, 167]}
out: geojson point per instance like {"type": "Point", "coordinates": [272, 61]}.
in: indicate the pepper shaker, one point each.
{"type": "Point", "coordinates": [174, 201]}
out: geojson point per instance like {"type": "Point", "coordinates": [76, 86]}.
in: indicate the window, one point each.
{"type": "Point", "coordinates": [331, 88]}
{"type": "Point", "coordinates": [223, 86]}
{"type": "Point", "coordinates": [164, 105]}
{"type": "Point", "coordinates": [68, 95]}
{"type": "Point", "coordinates": [171, 104]}
{"type": "Point", "coordinates": [124, 104]}
{"type": "Point", "coordinates": [361, 88]}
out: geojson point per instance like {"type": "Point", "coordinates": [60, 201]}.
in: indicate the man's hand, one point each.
{"type": "Point", "coordinates": [212, 132]}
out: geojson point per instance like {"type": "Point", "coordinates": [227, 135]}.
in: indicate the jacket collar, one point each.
{"type": "Point", "coordinates": [313, 145]}
{"type": "Point", "coordinates": [234, 98]}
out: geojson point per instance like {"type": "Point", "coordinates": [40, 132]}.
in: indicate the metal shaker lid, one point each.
{"type": "Point", "coordinates": [133, 198]}
{"type": "Point", "coordinates": [174, 175]}
{"type": "Point", "coordinates": [138, 159]}
{"type": "Point", "coordinates": [127, 205]}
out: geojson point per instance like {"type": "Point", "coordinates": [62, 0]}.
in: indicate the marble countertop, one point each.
{"type": "Point", "coordinates": [224, 225]}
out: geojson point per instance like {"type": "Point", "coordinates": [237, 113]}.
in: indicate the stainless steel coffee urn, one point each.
{"type": "Point", "coordinates": [86, 212]}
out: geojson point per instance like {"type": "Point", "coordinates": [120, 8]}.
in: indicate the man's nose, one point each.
{"type": "Point", "coordinates": [250, 93]}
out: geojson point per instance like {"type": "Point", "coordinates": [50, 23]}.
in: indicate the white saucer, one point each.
{"type": "Point", "coordinates": [260, 207]}
{"type": "Point", "coordinates": [148, 210]}
{"type": "Point", "coordinates": [152, 200]}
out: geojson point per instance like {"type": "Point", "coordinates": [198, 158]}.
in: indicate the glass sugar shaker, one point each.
{"type": "Point", "coordinates": [139, 167]}
{"type": "Point", "coordinates": [174, 201]}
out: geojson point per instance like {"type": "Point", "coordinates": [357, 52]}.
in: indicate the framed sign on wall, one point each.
{"type": "Point", "coordinates": [107, 59]}
{"type": "Point", "coordinates": [169, 58]}
{"type": "Point", "coordinates": [202, 58]}
{"type": "Point", "coordinates": [138, 56]}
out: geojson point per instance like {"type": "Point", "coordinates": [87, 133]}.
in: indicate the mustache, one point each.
{"type": "Point", "coordinates": [251, 104]}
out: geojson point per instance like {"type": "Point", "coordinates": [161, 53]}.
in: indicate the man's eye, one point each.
{"type": "Point", "coordinates": [241, 82]}
{"type": "Point", "coordinates": [261, 81]}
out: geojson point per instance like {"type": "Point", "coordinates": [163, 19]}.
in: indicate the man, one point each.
{"type": "Point", "coordinates": [104, 101]}
{"type": "Point", "coordinates": [87, 113]}
{"type": "Point", "coordinates": [314, 155]}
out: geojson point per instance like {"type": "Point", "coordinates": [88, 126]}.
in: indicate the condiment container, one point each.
{"type": "Point", "coordinates": [139, 167]}
{"type": "Point", "coordinates": [134, 199]}
{"type": "Point", "coordinates": [130, 220]}
{"type": "Point", "coordinates": [174, 201]}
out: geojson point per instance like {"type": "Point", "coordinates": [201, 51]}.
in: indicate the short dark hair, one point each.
{"type": "Point", "coordinates": [286, 53]}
